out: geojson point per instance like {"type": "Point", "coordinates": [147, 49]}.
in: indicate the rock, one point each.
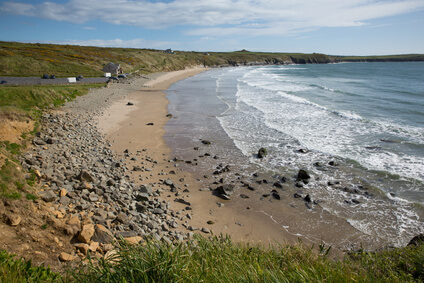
{"type": "Point", "coordinates": [13, 220]}
{"type": "Point", "coordinates": [85, 176]}
{"type": "Point", "coordinates": [130, 104]}
{"type": "Point", "coordinates": [262, 152]}
{"type": "Point", "coordinates": [83, 248]}
{"type": "Point", "coordinates": [307, 198]}
{"type": "Point", "coordinates": [417, 240]}
{"type": "Point", "coordinates": [296, 195]}
{"type": "Point", "coordinates": [303, 175]}
{"type": "Point", "coordinates": [205, 230]}
{"type": "Point", "coordinates": [65, 257]}
{"type": "Point", "coordinates": [206, 142]}
{"type": "Point", "coordinates": [86, 233]}
{"type": "Point", "coordinates": [278, 185]}
{"type": "Point", "coordinates": [122, 218]}
{"type": "Point", "coordinates": [244, 196]}
{"type": "Point", "coordinates": [47, 196]}
{"type": "Point", "coordinates": [227, 190]}
{"type": "Point", "coordinates": [183, 201]}
{"type": "Point", "coordinates": [102, 234]}
{"type": "Point", "coordinates": [150, 124]}
{"type": "Point", "coordinates": [137, 168]}
{"type": "Point", "coordinates": [145, 189]}
{"type": "Point", "coordinates": [134, 240]}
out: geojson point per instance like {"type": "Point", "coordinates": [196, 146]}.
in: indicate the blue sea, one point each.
{"type": "Point", "coordinates": [365, 118]}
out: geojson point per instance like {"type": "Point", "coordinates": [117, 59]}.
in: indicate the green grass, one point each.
{"type": "Point", "coordinates": [218, 259]}
{"type": "Point", "coordinates": [18, 270]}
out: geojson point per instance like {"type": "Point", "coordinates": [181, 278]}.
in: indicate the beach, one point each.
{"type": "Point", "coordinates": [127, 128]}
{"type": "Point", "coordinates": [134, 126]}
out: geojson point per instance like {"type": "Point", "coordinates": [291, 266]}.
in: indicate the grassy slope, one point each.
{"type": "Point", "coordinates": [24, 59]}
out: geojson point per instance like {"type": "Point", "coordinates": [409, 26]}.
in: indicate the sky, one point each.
{"type": "Point", "coordinates": [334, 27]}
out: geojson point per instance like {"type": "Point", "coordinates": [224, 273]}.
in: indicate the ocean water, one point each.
{"type": "Point", "coordinates": [368, 118]}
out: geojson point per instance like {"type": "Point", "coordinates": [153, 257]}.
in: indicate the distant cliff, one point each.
{"type": "Point", "coordinates": [24, 59]}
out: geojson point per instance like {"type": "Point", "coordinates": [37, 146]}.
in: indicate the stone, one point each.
{"type": "Point", "coordinates": [262, 152]}
{"type": "Point", "coordinates": [83, 248]}
{"type": "Point", "coordinates": [137, 168]}
{"type": "Point", "coordinates": [65, 257]}
{"type": "Point", "coordinates": [205, 230]}
{"type": "Point", "coordinates": [303, 175]}
{"type": "Point", "coordinates": [85, 176]}
{"type": "Point", "coordinates": [86, 233]}
{"type": "Point", "coordinates": [145, 189]}
{"type": "Point", "coordinates": [206, 142]}
{"type": "Point", "coordinates": [102, 234]}
{"type": "Point", "coordinates": [417, 240]}
{"type": "Point", "coordinates": [227, 190]}
{"type": "Point", "coordinates": [62, 192]}
{"type": "Point", "coordinates": [13, 220]}
{"type": "Point", "coordinates": [134, 240]}
{"type": "Point", "coordinates": [47, 196]}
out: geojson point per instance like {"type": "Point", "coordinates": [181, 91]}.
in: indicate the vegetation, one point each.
{"type": "Point", "coordinates": [25, 59]}
{"type": "Point", "coordinates": [215, 259]}
{"type": "Point", "coordinates": [218, 259]}
{"type": "Point", "coordinates": [18, 270]}
{"type": "Point", "coordinates": [25, 104]}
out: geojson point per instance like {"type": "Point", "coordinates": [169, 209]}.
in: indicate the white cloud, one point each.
{"type": "Point", "coordinates": [220, 17]}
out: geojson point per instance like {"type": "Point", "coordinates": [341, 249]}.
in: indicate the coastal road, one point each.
{"type": "Point", "coordinates": [40, 81]}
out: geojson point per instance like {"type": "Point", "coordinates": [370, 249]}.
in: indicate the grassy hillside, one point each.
{"type": "Point", "coordinates": [24, 59]}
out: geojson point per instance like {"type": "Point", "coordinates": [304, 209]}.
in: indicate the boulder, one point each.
{"type": "Point", "coordinates": [417, 240]}
{"type": "Point", "coordinates": [47, 196]}
{"type": "Point", "coordinates": [102, 234]}
{"type": "Point", "coordinates": [86, 233]}
{"type": "Point", "coordinates": [65, 257]}
{"type": "Point", "coordinates": [262, 152]}
{"type": "Point", "coordinates": [227, 190]}
{"type": "Point", "coordinates": [303, 175]}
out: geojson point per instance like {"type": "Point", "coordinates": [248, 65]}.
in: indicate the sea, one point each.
{"type": "Point", "coordinates": [356, 128]}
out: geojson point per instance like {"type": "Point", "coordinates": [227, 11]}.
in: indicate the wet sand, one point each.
{"type": "Point", "coordinates": [135, 124]}
{"type": "Point", "coordinates": [127, 127]}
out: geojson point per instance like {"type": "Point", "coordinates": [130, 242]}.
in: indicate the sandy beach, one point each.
{"type": "Point", "coordinates": [136, 124]}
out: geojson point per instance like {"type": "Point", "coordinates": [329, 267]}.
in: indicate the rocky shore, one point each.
{"type": "Point", "coordinates": [90, 186]}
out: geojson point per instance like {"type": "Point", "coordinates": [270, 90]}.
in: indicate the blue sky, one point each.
{"type": "Point", "coordinates": [337, 27]}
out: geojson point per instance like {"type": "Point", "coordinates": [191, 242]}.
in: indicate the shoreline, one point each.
{"type": "Point", "coordinates": [126, 127]}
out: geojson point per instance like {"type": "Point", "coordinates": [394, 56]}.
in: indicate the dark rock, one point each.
{"type": "Point", "coordinates": [307, 198]}
{"type": "Point", "coordinates": [278, 185]}
{"type": "Point", "coordinates": [137, 168]}
{"type": "Point", "coordinates": [150, 124]}
{"type": "Point", "coordinates": [206, 142]}
{"type": "Point", "coordinates": [417, 240]}
{"type": "Point", "coordinates": [276, 195]}
{"type": "Point", "coordinates": [225, 190]}
{"type": "Point", "coordinates": [296, 195]}
{"type": "Point", "coordinates": [183, 201]}
{"type": "Point", "coordinates": [130, 103]}
{"type": "Point", "coordinates": [333, 163]}
{"type": "Point", "coordinates": [262, 152]}
{"type": "Point", "coordinates": [303, 175]}
{"type": "Point", "coordinates": [142, 197]}
{"type": "Point", "coordinates": [244, 196]}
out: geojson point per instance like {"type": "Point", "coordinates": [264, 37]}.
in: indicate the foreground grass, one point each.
{"type": "Point", "coordinates": [218, 259]}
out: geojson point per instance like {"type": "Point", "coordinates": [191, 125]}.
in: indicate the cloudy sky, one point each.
{"type": "Point", "coordinates": [337, 27]}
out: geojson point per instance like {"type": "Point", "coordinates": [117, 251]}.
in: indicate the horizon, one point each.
{"type": "Point", "coordinates": [357, 28]}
